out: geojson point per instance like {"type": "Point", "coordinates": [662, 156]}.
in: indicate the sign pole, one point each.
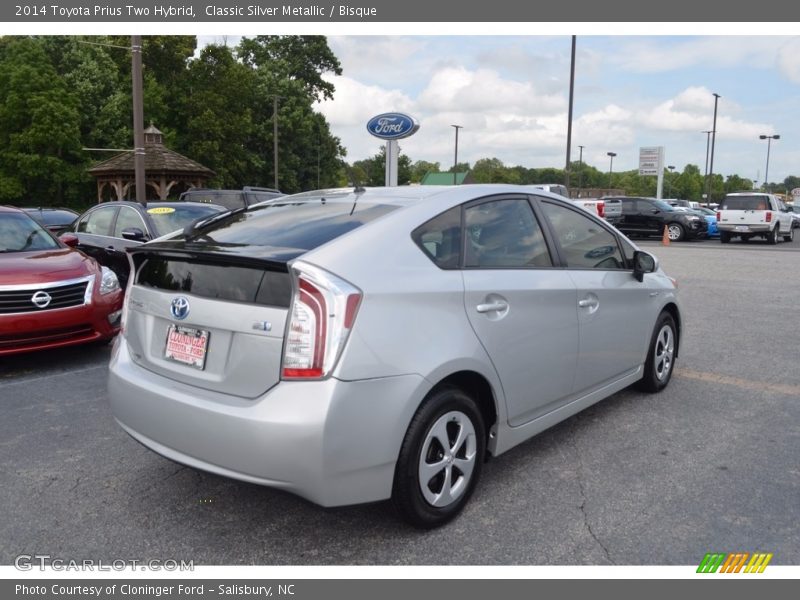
{"type": "Point", "coordinates": [391, 163]}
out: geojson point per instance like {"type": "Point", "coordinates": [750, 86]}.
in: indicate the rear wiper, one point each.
{"type": "Point", "coordinates": [194, 226]}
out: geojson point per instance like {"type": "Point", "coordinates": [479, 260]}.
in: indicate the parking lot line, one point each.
{"type": "Point", "coordinates": [745, 384]}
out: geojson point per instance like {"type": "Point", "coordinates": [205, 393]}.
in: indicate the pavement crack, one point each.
{"type": "Point", "coordinates": [587, 525]}
{"type": "Point", "coordinates": [77, 483]}
{"type": "Point", "coordinates": [175, 472]}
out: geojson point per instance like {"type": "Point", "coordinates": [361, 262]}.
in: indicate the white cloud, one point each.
{"type": "Point", "coordinates": [659, 55]}
{"type": "Point", "coordinates": [789, 60]}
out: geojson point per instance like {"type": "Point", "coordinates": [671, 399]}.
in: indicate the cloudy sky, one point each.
{"type": "Point", "coordinates": [511, 94]}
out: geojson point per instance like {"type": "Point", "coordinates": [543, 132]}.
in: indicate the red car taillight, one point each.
{"type": "Point", "coordinates": [601, 209]}
{"type": "Point", "coordinates": [769, 216]}
{"type": "Point", "coordinates": [719, 216]}
{"type": "Point", "coordinates": [324, 309]}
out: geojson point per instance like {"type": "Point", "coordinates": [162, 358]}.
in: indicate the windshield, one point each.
{"type": "Point", "coordinates": [664, 206]}
{"type": "Point", "coordinates": [20, 233]}
{"type": "Point", "coordinates": [167, 219]}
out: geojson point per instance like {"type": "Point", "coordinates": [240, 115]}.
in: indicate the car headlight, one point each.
{"type": "Point", "coordinates": [108, 281]}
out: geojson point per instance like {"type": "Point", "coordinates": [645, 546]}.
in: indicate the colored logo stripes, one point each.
{"type": "Point", "coordinates": [734, 562]}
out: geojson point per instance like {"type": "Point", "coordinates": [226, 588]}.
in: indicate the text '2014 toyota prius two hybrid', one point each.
{"type": "Point", "coordinates": [357, 345]}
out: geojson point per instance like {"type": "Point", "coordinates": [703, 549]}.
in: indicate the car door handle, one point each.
{"type": "Point", "coordinates": [588, 303]}
{"type": "Point", "coordinates": [492, 306]}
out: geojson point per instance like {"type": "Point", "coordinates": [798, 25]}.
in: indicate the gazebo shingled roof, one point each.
{"type": "Point", "coordinates": [163, 169]}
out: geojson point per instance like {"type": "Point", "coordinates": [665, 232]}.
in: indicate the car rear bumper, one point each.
{"type": "Point", "coordinates": [758, 229]}
{"type": "Point", "coordinates": [332, 442]}
{"type": "Point", "coordinates": [46, 329]}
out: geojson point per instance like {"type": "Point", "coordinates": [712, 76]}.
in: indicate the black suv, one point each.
{"type": "Point", "coordinates": [648, 217]}
{"type": "Point", "coordinates": [231, 199]}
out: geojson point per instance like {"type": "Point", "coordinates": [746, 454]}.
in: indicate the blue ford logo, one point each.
{"type": "Point", "coordinates": [180, 308]}
{"type": "Point", "coordinates": [392, 126]}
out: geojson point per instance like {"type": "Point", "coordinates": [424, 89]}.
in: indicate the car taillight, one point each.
{"type": "Point", "coordinates": [324, 309]}
{"type": "Point", "coordinates": [719, 216]}
{"type": "Point", "coordinates": [769, 216]}
{"type": "Point", "coordinates": [601, 209]}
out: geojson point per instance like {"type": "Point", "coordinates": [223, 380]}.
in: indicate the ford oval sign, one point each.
{"type": "Point", "coordinates": [392, 126]}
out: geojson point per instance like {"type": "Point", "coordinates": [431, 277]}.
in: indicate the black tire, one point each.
{"type": "Point", "coordinates": [772, 237]}
{"type": "Point", "coordinates": [661, 355]}
{"type": "Point", "coordinates": [789, 237]}
{"type": "Point", "coordinates": [724, 237]}
{"type": "Point", "coordinates": [675, 232]}
{"type": "Point", "coordinates": [452, 412]}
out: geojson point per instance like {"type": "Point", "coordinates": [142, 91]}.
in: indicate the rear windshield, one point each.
{"type": "Point", "coordinates": [300, 225]}
{"type": "Point", "coordinates": [744, 203]}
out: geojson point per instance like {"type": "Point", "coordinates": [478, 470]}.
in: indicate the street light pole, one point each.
{"type": "Point", "coordinates": [455, 158]}
{"type": "Point", "coordinates": [569, 118]}
{"type": "Point", "coordinates": [671, 171]}
{"type": "Point", "coordinates": [580, 166]}
{"type": "Point", "coordinates": [713, 143]}
{"type": "Point", "coordinates": [708, 147]}
{"type": "Point", "coordinates": [769, 139]}
{"type": "Point", "coordinates": [138, 120]}
{"type": "Point", "coordinates": [611, 156]}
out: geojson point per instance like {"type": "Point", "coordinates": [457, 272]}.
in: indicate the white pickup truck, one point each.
{"type": "Point", "coordinates": [604, 208]}
{"type": "Point", "coordinates": [751, 214]}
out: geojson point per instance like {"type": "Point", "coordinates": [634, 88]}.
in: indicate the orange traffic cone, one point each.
{"type": "Point", "coordinates": [665, 237]}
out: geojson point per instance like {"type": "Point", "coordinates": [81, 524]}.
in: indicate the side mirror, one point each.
{"type": "Point", "coordinates": [70, 239]}
{"type": "Point", "coordinates": [643, 262]}
{"type": "Point", "coordinates": [134, 234]}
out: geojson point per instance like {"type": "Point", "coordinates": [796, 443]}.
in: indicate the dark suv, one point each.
{"type": "Point", "coordinates": [231, 199]}
{"type": "Point", "coordinates": [648, 217]}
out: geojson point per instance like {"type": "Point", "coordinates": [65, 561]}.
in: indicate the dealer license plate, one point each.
{"type": "Point", "coordinates": [187, 346]}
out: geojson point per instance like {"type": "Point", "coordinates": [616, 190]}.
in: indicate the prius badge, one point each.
{"type": "Point", "coordinates": [180, 307]}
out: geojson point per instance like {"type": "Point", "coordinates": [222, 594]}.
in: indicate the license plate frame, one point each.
{"type": "Point", "coordinates": [191, 352]}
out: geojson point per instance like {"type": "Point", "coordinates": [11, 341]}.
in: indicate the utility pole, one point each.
{"type": "Point", "coordinates": [138, 120]}
{"type": "Point", "coordinates": [580, 166]}
{"type": "Point", "coordinates": [275, 138]}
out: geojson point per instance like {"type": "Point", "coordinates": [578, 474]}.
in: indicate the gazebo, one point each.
{"type": "Point", "coordinates": [164, 169]}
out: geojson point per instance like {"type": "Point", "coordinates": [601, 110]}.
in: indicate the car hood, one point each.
{"type": "Point", "coordinates": [18, 268]}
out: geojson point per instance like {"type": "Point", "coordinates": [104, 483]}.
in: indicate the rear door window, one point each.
{"type": "Point", "coordinates": [504, 234]}
{"type": "Point", "coordinates": [98, 222]}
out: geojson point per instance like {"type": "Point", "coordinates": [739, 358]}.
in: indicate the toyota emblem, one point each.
{"type": "Point", "coordinates": [180, 307]}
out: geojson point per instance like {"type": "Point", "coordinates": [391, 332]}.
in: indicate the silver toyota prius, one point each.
{"type": "Point", "coordinates": [354, 345]}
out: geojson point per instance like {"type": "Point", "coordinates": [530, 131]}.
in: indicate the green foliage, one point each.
{"type": "Point", "coordinates": [372, 171]}
{"type": "Point", "coordinates": [59, 94]}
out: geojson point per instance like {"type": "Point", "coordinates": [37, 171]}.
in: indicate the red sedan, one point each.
{"type": "Point", "coordinates": [50, 294]}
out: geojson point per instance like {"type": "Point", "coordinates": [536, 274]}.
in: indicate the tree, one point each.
{"type": "Point", "coordinates": [374, 168]}
{"type": "Point", "coordinates": [304, 58]}
{"type": "Point", "coordinates": [40, 149]}
{"type": "Point", "coordinates": [421, 168]}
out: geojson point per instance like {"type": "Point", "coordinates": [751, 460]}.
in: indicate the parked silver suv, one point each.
{"type": "Point", "coordinates": [358, 345]}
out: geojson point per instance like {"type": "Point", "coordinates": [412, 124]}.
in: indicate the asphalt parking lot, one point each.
{"type": "Point", "coordinates": [710, 464]}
